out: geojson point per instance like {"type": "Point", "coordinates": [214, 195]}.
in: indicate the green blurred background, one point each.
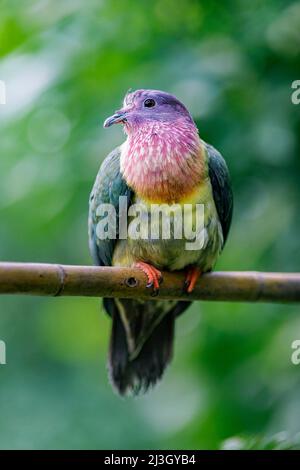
{"type": "Point", "coordinates": [67, 65]}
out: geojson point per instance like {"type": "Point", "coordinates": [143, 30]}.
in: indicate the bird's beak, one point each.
{"type": "Point", "coordinates": [119, 116]}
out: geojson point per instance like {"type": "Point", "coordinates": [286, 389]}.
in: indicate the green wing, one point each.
{"type": "Point", "coordinates": [221, 185]}
{"type": "Point", "coordinates": [108, 187]}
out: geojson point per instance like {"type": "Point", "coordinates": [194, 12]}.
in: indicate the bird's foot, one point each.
{"type": "Point", "coordinates": [192, 276]}
{"type": "Point", "coordinates": [154, 276]}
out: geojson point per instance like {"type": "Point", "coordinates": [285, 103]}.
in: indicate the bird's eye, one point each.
{"type": "Point", "coordinates": [149, 103]}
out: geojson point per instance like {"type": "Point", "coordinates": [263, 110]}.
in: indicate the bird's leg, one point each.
{"type": "Point", "coordinates": [192, 276]}
{"type": "Point", "coordinates": [154, 276]}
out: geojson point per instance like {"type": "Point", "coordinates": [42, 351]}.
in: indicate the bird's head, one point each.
{"type": "Point", "coordinates": [163, 149]}
{"type": "Point", "coordinates": [147, 106]}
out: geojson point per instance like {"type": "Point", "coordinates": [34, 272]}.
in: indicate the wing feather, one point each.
{"type": "Point", "coordinates": [222, 190]}
{"type": "Point", "coordinates": [108, 187]}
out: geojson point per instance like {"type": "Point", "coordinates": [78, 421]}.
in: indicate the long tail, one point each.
{"type": "Point", "coordinates": [135, 374]}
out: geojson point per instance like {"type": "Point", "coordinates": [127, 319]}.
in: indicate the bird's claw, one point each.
{"type": "Point", "coordinates": [192, 276]}
{"type": "Point", "coordinates": [154, 292]}
{"type": "Point", "coordinates": [154, 276]}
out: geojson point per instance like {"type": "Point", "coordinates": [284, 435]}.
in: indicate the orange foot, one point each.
{"type": "Point", "coordinates": [154, 276]}
{"type": "Point", "coordinates": [192, 276]}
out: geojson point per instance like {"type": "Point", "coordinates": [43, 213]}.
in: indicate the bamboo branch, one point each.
{"type": "Point", "coordinates": [58, 280]}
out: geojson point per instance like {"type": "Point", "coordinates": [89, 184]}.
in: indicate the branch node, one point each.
{"type": "Point", "coordinates": [62, 277]}
{"type": "Point", "coordinates": [131, 282]}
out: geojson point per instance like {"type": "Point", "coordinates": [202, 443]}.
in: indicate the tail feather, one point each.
{"type": "Point", "coordinates": [137, 375]}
